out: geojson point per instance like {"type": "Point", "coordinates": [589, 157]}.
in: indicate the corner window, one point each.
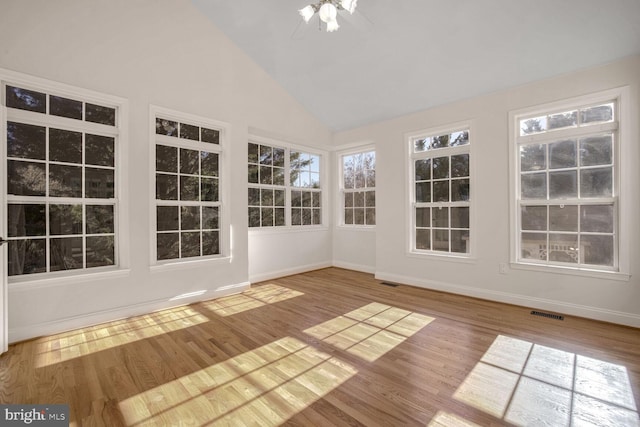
{"type": "Point", "coordinates": [441, 192]}
{"type": "Point", "coordinates": [62, 172]}
{"type": "Point", "coordinates": [358, 188]}
{"type": "Point", "coordinates": [567, 202]}
{"type": "Point", "coordinates": [188, 202]}
{"type": "Point", "coordinates": [284, 186]}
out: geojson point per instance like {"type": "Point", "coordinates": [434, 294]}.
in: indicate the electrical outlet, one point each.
{"type": "Point", "coordinates": [503, 268]}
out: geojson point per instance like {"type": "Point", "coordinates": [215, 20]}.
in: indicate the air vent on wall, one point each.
{"type": "Point", "coordinates": [549, 315]}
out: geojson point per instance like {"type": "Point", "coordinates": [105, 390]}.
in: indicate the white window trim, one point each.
{"type": "Point", "coordinates": [224, 171]}
{"type": "Point", "coordinates": [121, 173]}
{"type": "Point", "coordinates": [288, 146]}
{"type": "Point", "coordinates": [339, 211]}
{"type": "Point", "coordinates": [622, 163]}
{"type": "Point", "coordinates": [410, 194]}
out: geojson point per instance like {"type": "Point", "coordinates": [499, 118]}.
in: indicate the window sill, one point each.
{"type": "Point", "coordinates": [356, 227]}
{"type": "Point", "coordinates": [596, 274]}
{"type": "Point", "coordinates": [29, 284]}
{"type": "Point", "coordinates": [443, 257]}
{"type": "Point", "coordinates": [287, 229]}
{"type": "Point", "coordinates": [188, 264]}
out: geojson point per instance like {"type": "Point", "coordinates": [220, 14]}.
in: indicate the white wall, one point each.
{"type": "Point", "coordinates": [164, 52]}
{"type": "Point", "coordinates": [355, 249]}
{"type": "Point", "coordinates": [161, 52]}
{"type": "Point", "coordinates": [610, 300]}
{"type": "Point", "coordinates": [282, 251]}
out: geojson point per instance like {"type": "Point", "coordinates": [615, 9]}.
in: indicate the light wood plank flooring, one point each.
{"type": "Point", "coordinates": [334, 347]}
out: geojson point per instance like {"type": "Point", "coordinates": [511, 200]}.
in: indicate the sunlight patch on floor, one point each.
{"type": "Point", "coordinates": [70, 345]}
{"type": "Point", "coordinates": [371, 331]}
{"type": "Point", "coordinates": [250, 299]}
{"type": "Point", "coordinates": [445, 419]}
{"type": "Point", "coordinates": [530, 384]}
{"type": "Point", "coordinates": [265, 387]}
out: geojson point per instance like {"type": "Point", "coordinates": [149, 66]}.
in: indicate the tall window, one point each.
{"type": "Point", "coordinates": [359, 188]}
{"type": "Point", "coordinates": [62, 171]}
{"type": "Point", "coordinates": [441, 192]}
{"type": "Point", "coordinates": [284, 186]}
{"type": "Point", "coordinates": [567, 195]}
{"type": "Point", "coordinates": [267, 197]}
{"type": "Point", "coordinates": [306, 195]}
{"type": "Point", "coordinates": [187, 181]}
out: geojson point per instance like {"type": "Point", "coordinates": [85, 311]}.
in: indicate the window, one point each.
{"type": "Point", "coordinates": [441, 192]}
{"type": "Point", "coordinates": [188, 205]}
{"type": "Point", "coordinates": [358, 188]}
{"type": "Point", "coordinates": [306, 196]}
{"type": "Point", "coordinates": [62, 175]}
{"type": "Point", "coordinates": [567, 205]}
{"type": "Point", "coordinates": [284, 186]}
{"type": "Point", "coordinates": [267, 200]}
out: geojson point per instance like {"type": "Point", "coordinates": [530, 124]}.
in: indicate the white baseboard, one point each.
{"type": "Point", "coordinates": [270, 275]}
{"type": "Point", "coordinates": [82, 321]}
{"type": "Point", "coordinates": [371, 269]}
{"type": "Point", "coordinates": [589, 312]}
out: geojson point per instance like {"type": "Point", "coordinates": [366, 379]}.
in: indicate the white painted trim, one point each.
{"type": "Point", "coordinates": [263, 140]}
{"type": "Point", "coordinates": [85, 277]}
{"type": "Point", "coordinates": [86, 320]}
{"type": "Point", "coordinates": [288, 272]}
{"type": "Point", "coordinates": [622, 162]}
{"type": "Point", "coordinates": [371, 269]}
{"type": "Point", "coordinates": [354, 146]}
{"type": "Point", "coordinates": [4, 285]}
{"type": "Point", "coordinates": [409, 191]}
{"type": "Point", "coordinates": [188, 263]}
{"type": "Point", "coordinates": [224, 173]}
{"type": "Point", "coordinates": [595, 313]}
{"type": "Point", "coordinates": [121, 167]}
{"type": "Point", "coordinates": [325, 181]}
{"type": "Point", "coordinates": [338, 197]}
{"type": "Point", "coordinates": [287, 229]}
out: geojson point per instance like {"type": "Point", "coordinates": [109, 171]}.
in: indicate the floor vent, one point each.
{"type": "Point", "coordinates": [393, 285]}
{"type": "Point", "coordinates": [549, 315]}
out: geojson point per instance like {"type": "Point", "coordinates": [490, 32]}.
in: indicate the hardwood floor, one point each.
{"type": "Point", "coordinates": [334, 347]}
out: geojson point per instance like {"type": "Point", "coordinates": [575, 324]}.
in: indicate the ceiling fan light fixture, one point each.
{"type": "Point", "coordinates": [349, 5]}
{"type": "Point", "coordinates": [307, 12]}
{"type": "Point", "coordinates": [332, 26]}
{"type": "Point", "coordinates": [327, 11]}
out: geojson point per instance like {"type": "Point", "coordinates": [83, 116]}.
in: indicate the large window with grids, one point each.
{"type": "Point", "coordinates": [441, 192]}
{"type": "Point", "coordinates": [358, 188]}
{"type": "Point", "coordinates": [567, 203]}
{"type": "Point", "coordinates": [284, 186]}
{"type": "Point", "coordinates": [188, 203]}
{"type": "Point", "coordinates": [61, 148]}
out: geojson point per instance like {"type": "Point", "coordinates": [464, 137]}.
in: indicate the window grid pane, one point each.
{"type": "Point", "coordinates": [358, 189]}
{"type": "Point", "coordinates": [283, 181]}
{"type": "Point", "coordinates": [267, 197]}
{"type": "Point", "coordinates": [187, 191]}
{"type": "Point", "coordinates": [567, 201]}
{"type": "Point", "coordinates": [71, 224]}
{"type": "Point", "coordinates": [442, 193]}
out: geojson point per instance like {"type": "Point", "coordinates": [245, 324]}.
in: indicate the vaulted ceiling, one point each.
{"type": "Point", "coordinates": [392, 58]}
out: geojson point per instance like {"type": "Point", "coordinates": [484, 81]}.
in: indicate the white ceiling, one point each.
{"type": "Point", "coordinates": [392, 58]}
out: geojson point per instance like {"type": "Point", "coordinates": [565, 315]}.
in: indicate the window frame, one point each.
{"type": "Point", "coordinates": [340, 199]}
{"type": "Point", "coordinates": [119, 131]}
{"type": "Point", "coordinates": [620, 190]}
{"type": "Point", "coordinates": [221, 149]}
{"type": "Point", "coordinates": [288, 187]}
{"type": "Point", "coordinates": [411, 157]}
